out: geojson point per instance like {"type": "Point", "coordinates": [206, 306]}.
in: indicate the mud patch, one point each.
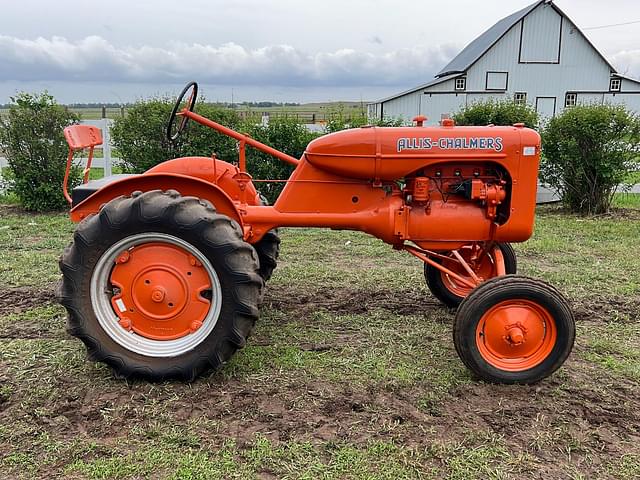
{"type": "Point", "coordinates": [17, 300]}
{"type": "Point", "coordinates": [571, 410]}
{"type": "Point", "coordinates": [607, 309]}
{"type": "Point", "coordinates": [348, 301]}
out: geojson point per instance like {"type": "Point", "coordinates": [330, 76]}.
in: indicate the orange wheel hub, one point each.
{"type": "Point", "coordinates": [161, 289]}
{"type": "Point", "coordinates": [516, 335]}
{"type": "Point", "coordinates": [482, 264]}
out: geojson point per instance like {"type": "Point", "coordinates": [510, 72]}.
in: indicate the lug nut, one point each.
{"type": "Point", "coordinates": [123, 257]}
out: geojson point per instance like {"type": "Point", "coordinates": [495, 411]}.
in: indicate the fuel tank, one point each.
{"type": "Point", "coordinates": [390, 153]}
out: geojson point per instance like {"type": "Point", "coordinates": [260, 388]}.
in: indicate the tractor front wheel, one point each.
{"type": "Point", "coordinates": [484, 264]}
{"type": "Point", "coordinates": [514, 329]}
{"type": "Point", "coordinates": [160, 286]}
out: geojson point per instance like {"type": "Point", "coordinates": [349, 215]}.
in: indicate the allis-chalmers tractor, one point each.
{"type": "Point", "coordinates": [166, 270]}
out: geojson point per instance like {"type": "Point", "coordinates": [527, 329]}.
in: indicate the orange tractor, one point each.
{"type": "Point", "coordinates": [166, 270]}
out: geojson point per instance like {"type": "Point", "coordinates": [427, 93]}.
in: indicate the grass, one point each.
{"type": "Point", "coordinates": [350, 374]}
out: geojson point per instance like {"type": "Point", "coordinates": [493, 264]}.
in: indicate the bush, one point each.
{"type": "Point", "coordinates": [588, 151]}
{"type": "Point", "coordinates": [497, 112]}
{"type": "Point", "coordinates": [32, 139]}
{"type": "Point", "coordinates": [284, 134]}
{"type": "Point", "coordinates": [140, 136]}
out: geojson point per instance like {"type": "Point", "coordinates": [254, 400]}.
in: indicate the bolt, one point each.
{"type": "Point", "coordinates": [195, 325]}
{"type": "Point", "coordinates": [157, 295]}
{"type": "Point", "coordinates": [123, 257]}
{"type": "Point", "coordinates": [515, 336]}
{"type": "Point", "coordinates": [194, 262]}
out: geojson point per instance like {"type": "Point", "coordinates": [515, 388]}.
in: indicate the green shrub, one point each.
{"type": "Point", "coordinates": [140, 136]}
{"type": "Point", "coordinates": [284, 134]}
{"type": "Point", "coordinates": [588, 151]}
{"type": "Point", "coordinates": [497, 112]}
{"type": "Point", "coordinates": [32, 139]}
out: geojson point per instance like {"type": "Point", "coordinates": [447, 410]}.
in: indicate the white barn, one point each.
{"type": "Point", "coordinates": [536, 55]}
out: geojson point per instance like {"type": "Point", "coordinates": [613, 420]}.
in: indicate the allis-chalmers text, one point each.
{"type": "Point", "coordinates": [450, 143]}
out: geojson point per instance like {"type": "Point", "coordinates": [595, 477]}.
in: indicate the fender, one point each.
{"type": "Point", "coordinates": [186, 185]}
{"type": "Point", "coordinates": [211, 170]}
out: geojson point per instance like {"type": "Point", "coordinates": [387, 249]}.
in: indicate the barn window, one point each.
{"type": "Point", "coordinates": [520, 98]}
{"type": "Point", "coordinates": [497, 80]}
{"type": "Point", "coordinates": [614, 84]}
{"type": "Point", "coordinates": [461, 83]}
{"type": "Point", "coordinates": [570, 99]}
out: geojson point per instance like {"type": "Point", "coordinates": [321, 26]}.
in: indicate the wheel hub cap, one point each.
{"type": "Point", "coordinates": [160, 291]}
{"type": "Point", "coordinates": [516, 335]}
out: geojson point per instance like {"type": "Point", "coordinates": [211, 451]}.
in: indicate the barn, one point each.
{"type": "Point", "coordinates": [536, 55]}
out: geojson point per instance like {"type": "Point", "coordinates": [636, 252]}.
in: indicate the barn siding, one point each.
{"type": "Point", "coordinates": [435, 106]}
{"type": "Point", "coordinates": [628, 99]}
{"type": "Point", "coordinates": [405, 107]}
{"type": "Point", "coordinates": [580, 68]}
{"type": "Point", "coordinates": [541, 36]}
{"type": "Point", "coordinates": [630, 86]}
{"type": "Point", "coordinates": [588, 98]}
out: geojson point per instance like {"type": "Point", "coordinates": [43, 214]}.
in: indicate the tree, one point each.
{"type": "Point", "coordinates": [497, 112]}
{"type": "Point", "coordinates": [588, 151]}
{"type": "Point", "coordinates": [32, 139]}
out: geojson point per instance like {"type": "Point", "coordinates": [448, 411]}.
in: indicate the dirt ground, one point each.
{"type": "Point", "coordinates": [348, 375]}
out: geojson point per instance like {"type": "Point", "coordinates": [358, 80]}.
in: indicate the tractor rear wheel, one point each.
{"type": "Point", "coordinates": [514, 329]}
{"type": "Point", "coordinates": [268, 249]}
{"type": "Point", "coordinates": [160, 286]}
{"type": "Point", "coordinates": [450, 291]}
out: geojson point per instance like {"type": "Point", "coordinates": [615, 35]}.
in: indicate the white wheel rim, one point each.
{"type": "Point", "coordinates": [101, 292]}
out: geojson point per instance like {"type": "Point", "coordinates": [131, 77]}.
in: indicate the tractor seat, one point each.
{"type": "Point", "coordinates": [84, 191]}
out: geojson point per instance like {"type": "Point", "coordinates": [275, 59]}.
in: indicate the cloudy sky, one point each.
{"type": "Point", "coordinates": [284, 50]}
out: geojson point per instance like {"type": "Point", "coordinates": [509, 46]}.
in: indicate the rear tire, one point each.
{"type": "Point", "coordinates": [188, 225]}
{"type": "Point", "coordinates": [268, 249]}
{"type": "Point", "coordinates": [448, 291]}
{"type": "Point", "coordinates": [514, 329]}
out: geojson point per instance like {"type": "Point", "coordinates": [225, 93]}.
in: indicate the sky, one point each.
{"type": "Point", "coordinates": [262, 50]}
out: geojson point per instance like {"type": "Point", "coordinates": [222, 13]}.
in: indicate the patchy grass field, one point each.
{"type": "Point", "coordinates": [351, 372]}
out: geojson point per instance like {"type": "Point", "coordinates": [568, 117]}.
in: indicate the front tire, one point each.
{"type": "Point", "coordinates": [160, 286]}
{"type": "Point", "coordinates": [514, 329]}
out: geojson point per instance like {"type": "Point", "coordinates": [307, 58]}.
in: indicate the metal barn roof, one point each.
{"type": "Point", "coordinates": [484, 42]}
{"type": "Point", "coordinates": [433, 82]}
{"type": "Point", "coordinates": [626, 77]}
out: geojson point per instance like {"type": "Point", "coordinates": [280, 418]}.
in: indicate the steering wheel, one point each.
{"type": "Point", "coordinates": [193, 87]}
